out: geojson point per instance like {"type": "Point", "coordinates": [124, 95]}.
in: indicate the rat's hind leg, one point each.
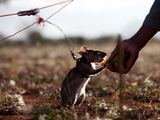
{"type": "Point", "coordinates": [75, 101]}
{"type": "Point", "coordinates": [82, 98]}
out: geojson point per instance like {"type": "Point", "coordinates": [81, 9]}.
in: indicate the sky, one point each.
{"type": "Point", "coordinates": [87, 18]}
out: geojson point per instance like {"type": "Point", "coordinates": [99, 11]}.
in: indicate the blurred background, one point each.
{"type": "Point", "coordinates": [34, 63]}
{"type": "Point", "coordinates": [83, 18]}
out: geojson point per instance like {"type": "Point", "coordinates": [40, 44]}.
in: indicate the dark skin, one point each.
{"type": "Point", "coordinates": [131, 48]}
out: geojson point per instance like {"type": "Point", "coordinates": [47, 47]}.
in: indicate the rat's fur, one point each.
{"type": "Point", "coordinates": [73, 86]}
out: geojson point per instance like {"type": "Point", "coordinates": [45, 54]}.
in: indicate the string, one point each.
{"type": "Point", "coordinates": [58, 11]}
{"type": "Point", "coordinates": [11, 14]}
{"type": "Point", "coordinates": [68, 41]}
{"type": "Point", "coordinates": [40, 8]}
{"type": "Point", "coordinates": [35, 23]}
{"type": "Point", "coordinates": [17, 32]}
{"type": "Point", "coordinates": [34, 12]}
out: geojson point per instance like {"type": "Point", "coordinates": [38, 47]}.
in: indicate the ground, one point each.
{"type": "Point", "coordinates": [36, 73]}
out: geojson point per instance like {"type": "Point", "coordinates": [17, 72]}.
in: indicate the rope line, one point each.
{"type": "Point", "coordinates": [18, 32]}
{"type": "Point", "coordinates": [33, 11]}
{"type": "Point", "coordinates": [68, 41]}
{"type": "Point", "coordinates": [58, 11]}
{"type": "Point", "coordinates": [6, 15]}
{"type": "Point", "coordinates": [40, 8]}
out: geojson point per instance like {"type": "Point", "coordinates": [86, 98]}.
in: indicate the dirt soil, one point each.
{"type": "Point", "coordinates": [36, 73]}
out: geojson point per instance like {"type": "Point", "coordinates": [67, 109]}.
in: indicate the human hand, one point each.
{"type": "Point", "coordinates": [126, 52]}
{"type": "Point", "coordinates": [123, 57]}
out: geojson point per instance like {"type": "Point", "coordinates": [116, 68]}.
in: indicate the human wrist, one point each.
{"type": "Point", "coordinates": [140, 39]}
{"type": "Point", "coordinates": [137, 43]}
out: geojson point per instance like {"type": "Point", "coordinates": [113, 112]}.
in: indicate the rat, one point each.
{"type": "Point", "coordinates": [73, 87]}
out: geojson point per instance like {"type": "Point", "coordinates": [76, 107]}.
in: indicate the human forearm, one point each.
{"type": "Point", "coordinates": [144, 34]}
{"type": "Point", "coordinates": [133, 45]}
{"type": "Point", "coordinates": [150, 27]}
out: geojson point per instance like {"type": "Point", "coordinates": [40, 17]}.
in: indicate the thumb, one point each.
{"type": "Point", "coordinates": [112, 56]}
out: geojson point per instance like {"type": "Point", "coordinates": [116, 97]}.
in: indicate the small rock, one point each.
{"type": "Point", "coordinates": [12, 83]}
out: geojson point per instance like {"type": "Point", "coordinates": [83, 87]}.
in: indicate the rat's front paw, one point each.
{"type": "Point", "coordinates": [104, 61]}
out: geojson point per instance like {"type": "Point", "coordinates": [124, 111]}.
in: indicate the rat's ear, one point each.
{"type": "Point", "coordinates": [83, 50]}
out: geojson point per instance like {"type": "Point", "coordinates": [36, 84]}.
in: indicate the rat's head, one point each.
{"type": "Point", "coordinates": [92, 55]}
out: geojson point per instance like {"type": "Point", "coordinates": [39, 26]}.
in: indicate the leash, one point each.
{"type": "Point", "coordinates": [34, 12]}
{"type": "Point", "coordinates": [69, 43]}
